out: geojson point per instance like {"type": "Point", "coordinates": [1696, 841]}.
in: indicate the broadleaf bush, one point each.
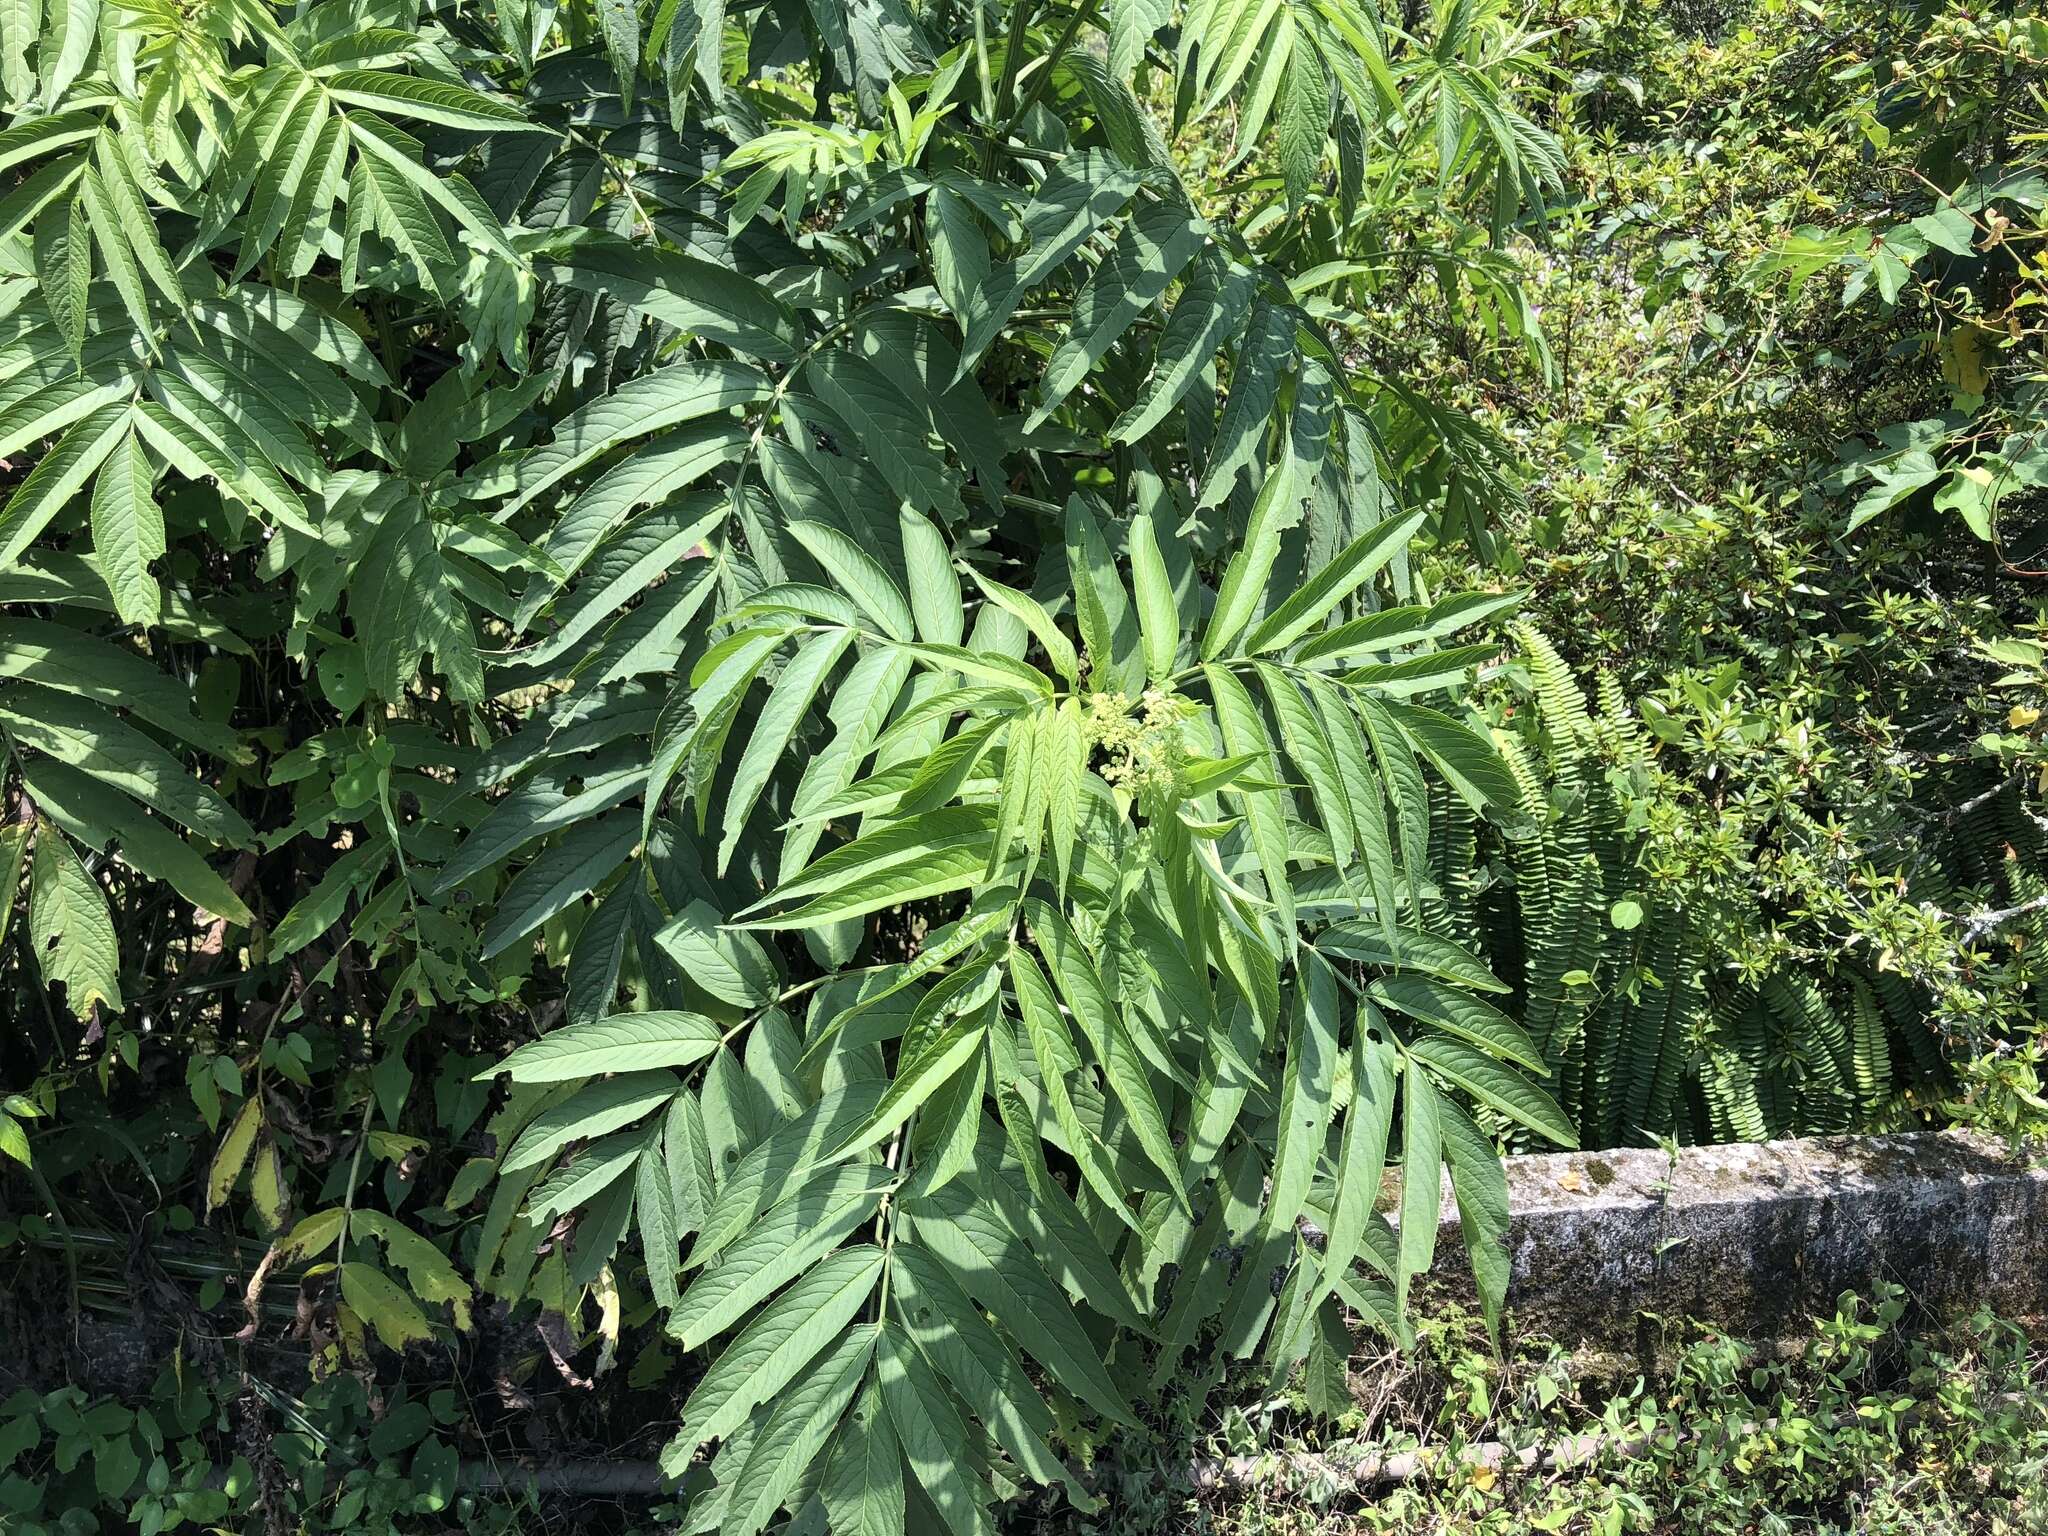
{"type": "Point", "coordinates": [737, 667]}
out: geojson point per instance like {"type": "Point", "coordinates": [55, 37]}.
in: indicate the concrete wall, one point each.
{"type": "Point", "coordinates": [1759, 1238]}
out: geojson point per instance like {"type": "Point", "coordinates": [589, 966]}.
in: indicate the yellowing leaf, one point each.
{"type": "Point", "coordinates": [432, 1276]}
{"type": "Point", "coordinates": [314, 1234]}
{"type": "Point", "coordinates": [1962, 358]}
{"type": "Point", "coordinates": [388, 1311]}
{"type": "Point", "coordinates": [267, 1186]}
{"type": "Point", "coordinates": [234, 1151]}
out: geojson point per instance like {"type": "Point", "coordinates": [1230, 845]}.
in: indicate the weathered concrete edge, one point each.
{"type": "Point", "coordinates": [1758, 1238]}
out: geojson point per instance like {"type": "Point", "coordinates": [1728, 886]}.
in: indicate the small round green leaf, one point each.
{"type": "Point", "coordinates": [343, 678]}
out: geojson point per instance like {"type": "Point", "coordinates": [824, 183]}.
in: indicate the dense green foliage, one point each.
{"type": "Point", "coordinates": [742, 678]}
{"type": "Point", "coordinates": [1780, 518]}
{"type": "Point", "coordinates": [1868, 1426]}
{"type": "Point", "coordinates": [829, 720]}
{"type": "Point", "coordinates": [1864, 1426]}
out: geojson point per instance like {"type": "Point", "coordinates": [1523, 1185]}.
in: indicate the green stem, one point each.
{"type": "Point", "coordinates": [355, 1166]}
{"type": "Point", "coordinates": [1075, 23]}
{"type": "Point", "coordinates": [804, 986]}
{"type": "Point", "coordinates": [885, 1223]}
{"type": "Point", "coordinates": [1006, 93]}
{"type": "Point", "coordinates": [988, 106]}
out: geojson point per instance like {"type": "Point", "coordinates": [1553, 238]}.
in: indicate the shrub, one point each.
{"type": "Point", "coordinates": [1791, 719]}
{"type": "Point", "coordinates": [744, 630]}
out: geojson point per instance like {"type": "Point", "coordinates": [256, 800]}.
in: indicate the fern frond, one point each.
{"type": "Point", "coordinates": [1559, 702]}
{"type": "Point", "coordinates": [1731, 1073]}
{"type": "Point", "coordinates": [1870, 1051]}
{"type": "Point", "coordinates": [1653, 1033]}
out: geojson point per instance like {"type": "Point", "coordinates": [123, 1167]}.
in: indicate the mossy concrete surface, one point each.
{"type": "Point", "coordinates": [1758, 1238]}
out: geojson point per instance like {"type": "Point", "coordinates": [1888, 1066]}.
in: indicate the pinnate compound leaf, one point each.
{"type": "Point", "coordinates": [1267, 354]}
{"type": "Point", "coordinates": [1409, 949]}
{"type": "Point", "coordinates": [780, 1342]}
{"type": "Point", "coordinates": [989, 1261]}
{"type": "Point", "coordinates": [625, 1042]}
{"type": "Point", "coordinates": [930, 1430]}
{"type": "Point", "coordinates": [859, 575]}
{"type": "Point", "coordinates": [588, 1113]}
{"type": "Point", "coordinates": [791, 1236]}
{"type": "Point", "coordinates": [863, 1486]}
{"type": "Point", "coordinates": [1156, 243]}
{"type": "Point", "coordinates": [1422, 1156]}
{"type": "Point", "coordinates": [1498, 1086]}
{"type": "Point", "coordinates": [429, 101]}
{"type": "Point", "coordinates": [1470, 1018]}
{"type": "Point", "coordinates": [128, 532]}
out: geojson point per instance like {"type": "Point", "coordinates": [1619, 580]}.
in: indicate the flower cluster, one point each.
{"type": "Point", "coordinates": [1143, 749]}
